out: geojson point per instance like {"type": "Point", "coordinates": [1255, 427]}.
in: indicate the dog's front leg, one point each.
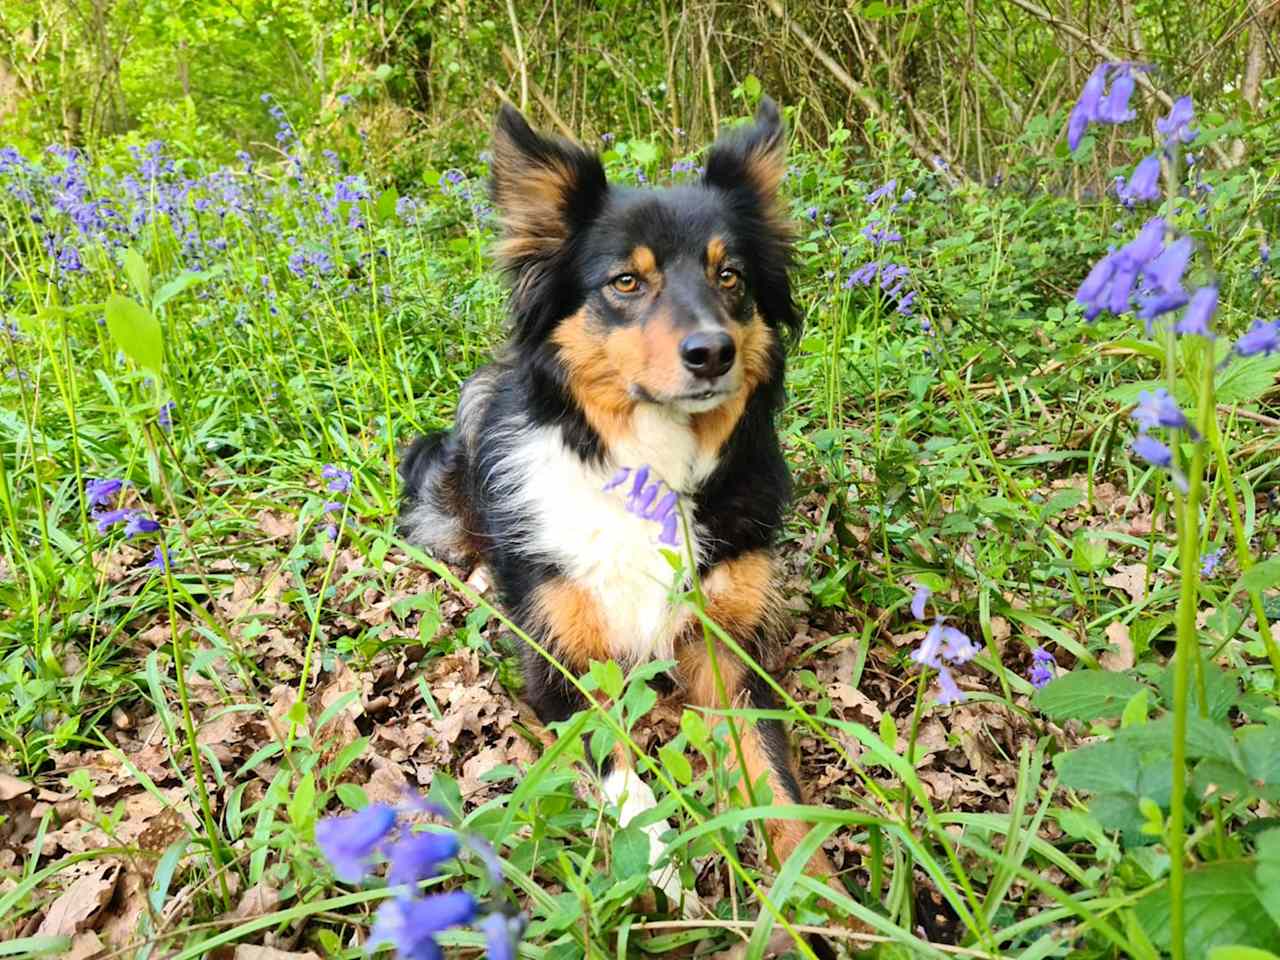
{"type": "Point", "coordinates": [573, 628]}
{"type": "Point", "coordinates": [741, 598]}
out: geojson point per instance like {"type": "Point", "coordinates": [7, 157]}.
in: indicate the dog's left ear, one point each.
{"type": "Point", "coordinates": [752, 158]}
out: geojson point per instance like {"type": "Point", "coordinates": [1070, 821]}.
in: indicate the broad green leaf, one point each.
{"type": "Point", "coordinates": [677, 764]}
{"type": "Point", "coordinates": [645, 153]}
{"type": "Point", "coordinates": [751, 86]}
{"type": "Point", "coordinates": [630, 852]}
{"type": "Point", "coordinates": [1086, 695]}
{"type": "Point", "coordinates": [135, 331]}
{"type": "Point", "coordinates": [1244, 380]}
{"type": "Point", "coordinates": [187, 278]}
{"type": "Point", "coordinates": [139, 274]}
{"type": "Point", "coordinates": [1237, 952]}
{"type": "Point", "coordinates": [1222, 909]}
{"type": "Point", "coordinates": [1259, 577]}
{"type": "Point", "coordinates": [386, 206]}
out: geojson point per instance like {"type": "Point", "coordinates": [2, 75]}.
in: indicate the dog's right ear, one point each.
{"type": "Point", "coordinates": [546, 190]}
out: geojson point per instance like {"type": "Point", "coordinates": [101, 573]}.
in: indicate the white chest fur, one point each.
{"type": "Point", "coordinates": [557, 506]}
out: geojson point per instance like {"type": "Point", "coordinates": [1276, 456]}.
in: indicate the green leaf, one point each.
{"type": "Point", "coordinates": [187, 278]}
{"type": "Point", "coordinates": [608, 677]}
{"type": "Point", "coordinates": [630, 852]}
{"type": "Point", "coordinates": [1088, 551]}
{"type": "Point", "coordinates": [1245, 380]}
{"type": "Point", "coordinates": [1237, 952]}
{"type": "Point", "coordinates": [302, 805]}
{"type": "Point", "coordinates": [1222, 909]}
{"type": "Point", "coordinates": [1259, 577]}
{"type": "Point", "coordinates": [1135, 711]}
{"type": "Point", "coordinates": [644, 152]}
{"type": "Point", "coordinates": [139, 274]}
{"type": "Point", "coordinates": [386, 206]}
{"type": "Point", "coordinates": [135, 331]}
{"type": "Point", "coordinates": [677, 764]}
{"type": "Point", "coordinates": [751, 86]}
{"type": "Point", "coordinates": [1086, 695]}
{"type": "Point", "coordinates": [1061, 502]}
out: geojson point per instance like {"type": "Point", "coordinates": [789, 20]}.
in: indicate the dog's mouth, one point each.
{"type": "Point", "coordinates": [701, 395]}
{"type": "Point", "coordinates": [702, 399]}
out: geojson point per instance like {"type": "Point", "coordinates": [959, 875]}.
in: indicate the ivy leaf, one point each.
{"type": "Point", "coordinates": [136, 331]}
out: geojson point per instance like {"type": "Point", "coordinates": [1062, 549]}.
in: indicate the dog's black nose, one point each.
{"type": "Point", "coordinates": [707, 355]}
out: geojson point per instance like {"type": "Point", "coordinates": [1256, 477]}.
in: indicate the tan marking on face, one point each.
{"type": "Point", "coordinates": [716, 251]}
{"type": "Point", "coordinates": [644, 263]}
{"type": "Point", "coordinates": [754, 343]}
{"type": "Point", "coordinates": [573, 619]}
{"type": "Point", "coordinates": [596, 384]}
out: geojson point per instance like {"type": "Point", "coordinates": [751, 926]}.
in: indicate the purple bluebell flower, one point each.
{"type": "Point", "coordinates": [1144, 184]}
{"type": "Point", "coordinates": [159, 559]}
{"type": "Point", "coordinates": [904, 305]}
{"type": "Point", "coordinates": [418, 856]}
{"type": "Point", "coordinates": [879, 234]}
{"type": "Point", "coordinates": [1091, 290]}
{"type": "Point", "coordinates": [1086, 109]}
{"type": "Point", "coordinates": [908, 195]}
{"type": "Point", "coordinates": [1158, 409]}
{"type": "Point", "coordinates": [956, 647]}
{"type": "Point", "coordinates": [1261, 338]}
{"type": "Point", "coordinates": [1264, 251]}
{"type": "Point", "coordinates": [862, 276]}
{"type": "Point", "coordinates": [1115, 108]}
{"type": "Point", "coordinates": [1200, 310]}
{"type": "Point", "coordinates": [411, 924]}
{"type": "Point", "coordinates": [102, 493]}
{"type": "Point", "coordinates": [1209, 562]}
{"type": "Point", "coordinates": [339, 479]}
{"type": "Point", "coordinates": [138, 523]}
{"type": "Point", "coordinates": [164, 416]}
{"type": "Point", "coordinates": [1176, 127]}
{"type": "Point", "coordinates": [350, 842]}
{"type": "Point", "coordinates": [918, 600]}
{"type": "Point", "coordinates": [879, 193]}
{"type": "Point", "coordinates": [1152, 450]}
{"type": "Point", "coordinates": [812, 213]}
{"type": "Point", "coordinates": [607, 139]}
{"type": "Point", "coordinates": [947, 691]}
{"type": "Point", "coordinates": [109, 518]}
{"type": "Point", "coordinates": [643, 501]}
{"type": "Point", "coordinates": [1165, 271]}
{"type": "Point", "coordinates": [1042, 667]}
{"type": "Point", "coordinates": [501, 935]}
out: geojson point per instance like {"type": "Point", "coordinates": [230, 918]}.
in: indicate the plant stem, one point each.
{"type": "Point", "coordinates": [1185, 650]}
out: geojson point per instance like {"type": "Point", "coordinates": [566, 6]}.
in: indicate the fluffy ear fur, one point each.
{"type": "Point", "coordinates": [752, 159]}
{"type": "Point", "coordinates": [546, 190]}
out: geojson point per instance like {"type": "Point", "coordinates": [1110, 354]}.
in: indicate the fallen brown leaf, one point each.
{"type": "Point", "coordinates": [1120, 656]}
{"type": "Point", "coordinates": [75, 909]}
{"type": "Point", "coordinates": [11, 786]}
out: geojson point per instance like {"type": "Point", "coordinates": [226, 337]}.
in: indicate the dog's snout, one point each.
{"type": "Point", "coordinates": [707, 354]}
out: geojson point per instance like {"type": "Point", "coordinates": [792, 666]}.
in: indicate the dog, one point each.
{"type": "Point", "coordinates": [632, 409]}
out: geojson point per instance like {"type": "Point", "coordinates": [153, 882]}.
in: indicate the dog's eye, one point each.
{"type": "Point", "coordinates": [625, 283]}
{"type": "Point", "coordinates": [729, 279]}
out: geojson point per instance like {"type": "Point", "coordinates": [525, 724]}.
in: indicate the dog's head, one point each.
{"type": "Point", "coordinates": [675, 297]}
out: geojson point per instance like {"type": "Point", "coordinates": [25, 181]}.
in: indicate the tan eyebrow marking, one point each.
{"type": "Point", "coordinates": [716, 252]}
{"type": "Point", "coordinates": [643, 261]}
